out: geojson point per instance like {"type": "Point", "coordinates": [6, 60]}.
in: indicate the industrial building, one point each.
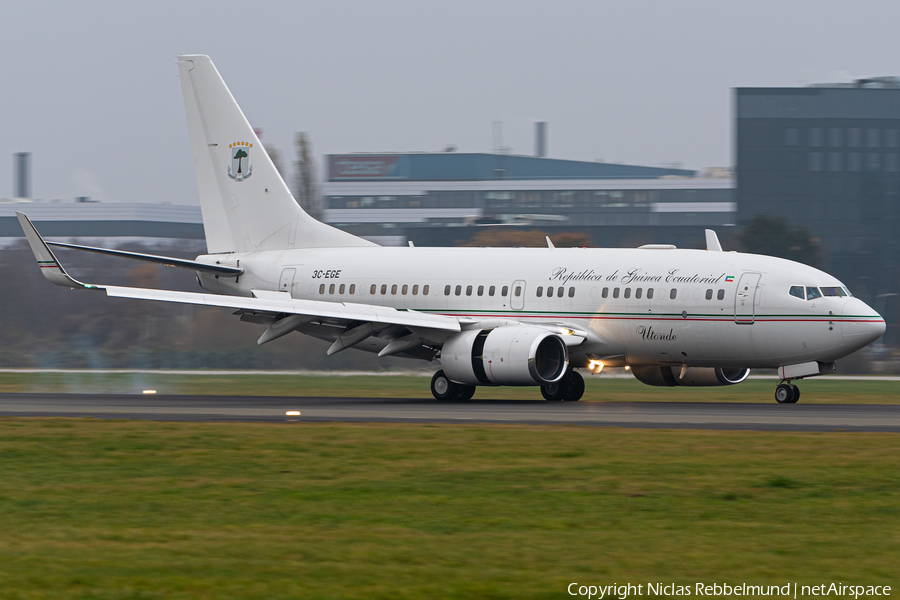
{"type": "Point", "coordinates": [827, 158]}
{"type": "Point", "coordinates": [442, 198]}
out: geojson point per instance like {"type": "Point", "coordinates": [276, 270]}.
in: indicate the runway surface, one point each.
{"type": "Point", "coordinates": [684, 415]}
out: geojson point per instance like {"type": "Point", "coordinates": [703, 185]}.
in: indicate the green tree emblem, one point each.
{"type": "Point", "coordinates": [240, 154]}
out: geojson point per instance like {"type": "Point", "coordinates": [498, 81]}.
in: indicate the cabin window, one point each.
{"type": "Point", "coordinates": [649, 293]}
{"type": "Point", "coordinates": [638, 293]}
{"type": "Point", "coordinates": [697, 294]}
{"type": "Point", "coordinates": [571, 292]}
{"type": "Point", "coordinates": [352, 288]}
{"type": "Point", "coordinates": [491, 290]}
{"type": "Point", "coordinates": [415, 290]}
{"type": "Point", "coordinates": [384, 289]}
{"type": "Point", "coordinates": [615, 292]}
{"type": "Point", "coordinates": [504, 291]}
{"type": "Point", "coordinates": [446, 290]}
{"type": "Point", "coordinates": [673, 294]}
{"type": "Point", "coordinates": [721, 295]}
{"type": "Point", "coordinates": [832, 291]}
{"type": "Point", "coordinates": [604, 293]}
{"type": "Point", "coordinates": [394, 290]}
{"type": "Point", "coordinates": [322, 288]}
{"type": "Point", "coordinates": [518, 291]}
{"type": "Point", "coordinates": [540, 291]}
{"type": "Point", "coordinates": [812, 293]}
{"type": "Point", "coordinates": [797, 292]}
{"type": "Point", "coordinates": [341, 289]}
{"type": "Point", "coordinates": [425, 290]}
{"type": "Point", "coordinates": [481, 290]}
{"type": "Point", "coordinates": [709, 294]}
{"type": "Point", "coordinates": [628, 292]}
{"type": "Point", "coordinates": [468, 290]}
{"type": "Point", "coordinates": [549, 291]}
{"type": "Point", "coordinates": [331, 289]}
{"type": "Point", "coordinates": [372, 289]}
{"type": "Point", "coordinates": [458, 290]}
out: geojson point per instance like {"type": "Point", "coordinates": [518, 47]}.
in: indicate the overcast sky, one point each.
{"type": "Point", "coordinates": [91, 88]}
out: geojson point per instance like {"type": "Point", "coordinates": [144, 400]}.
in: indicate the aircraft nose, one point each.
{"type": "Point", "coordinates": [860, 325]}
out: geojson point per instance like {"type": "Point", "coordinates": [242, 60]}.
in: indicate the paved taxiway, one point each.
{"type": "Point", "coordinates": [697, 415]}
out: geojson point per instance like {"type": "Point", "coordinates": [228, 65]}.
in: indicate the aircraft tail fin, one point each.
{"type": "Point", "coordinates": [245, 203]}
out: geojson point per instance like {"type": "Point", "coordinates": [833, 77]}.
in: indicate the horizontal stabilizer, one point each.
{"type": "Point", "coordinates": [160, 260]}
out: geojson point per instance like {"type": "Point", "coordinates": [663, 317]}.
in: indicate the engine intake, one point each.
{"type": "Point", "coordinates": [509, 355]}
{"type": "Point", "coordinates": [694, 377]}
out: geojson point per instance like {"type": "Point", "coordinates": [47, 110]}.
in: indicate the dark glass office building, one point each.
{"type": "Point", "coordinates": [827, 158]}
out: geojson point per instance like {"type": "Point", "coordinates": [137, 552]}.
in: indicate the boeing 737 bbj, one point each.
{"type": "Point", "coordinates": [491, 316]}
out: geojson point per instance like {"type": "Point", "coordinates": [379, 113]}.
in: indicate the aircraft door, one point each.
{"type": "Point", "coordinates": [517, 295]}
{"type": "Point", "coordinates": [746, 299]}
{"type": "Point", "coordinates": [287, 280]}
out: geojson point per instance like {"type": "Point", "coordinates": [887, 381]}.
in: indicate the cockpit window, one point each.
{"type": "Point", "coordinates": [797, 292]}
{"type": "Point", "coordinates": [812, 293]}
{"type": "Point", "coordinates": [833, 291]}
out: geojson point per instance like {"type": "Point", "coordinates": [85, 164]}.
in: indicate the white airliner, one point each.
{"type": "Point", "coordinates": [491, 316]}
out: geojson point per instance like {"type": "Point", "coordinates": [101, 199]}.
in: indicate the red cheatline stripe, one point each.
{"type": "Point", "coordinates": [648, 317]}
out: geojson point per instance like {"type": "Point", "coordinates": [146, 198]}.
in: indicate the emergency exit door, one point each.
{"type": "Point", "coordinates": [287, 280]}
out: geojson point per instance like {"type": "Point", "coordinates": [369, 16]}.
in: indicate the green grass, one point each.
{"type": "Point", "coordinates": [123, 509]}
{"type": "Point", "coordinates": [821, 391]}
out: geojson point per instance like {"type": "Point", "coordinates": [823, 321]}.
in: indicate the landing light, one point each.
{"type": "Point", "coordinates": [149, 392]}
{"type": "Point", "coordinates": [595, 366]}
{"type": "Point", "coordinates": [627, 367]}
{"type": "Point", "coordinates": [292, 413]}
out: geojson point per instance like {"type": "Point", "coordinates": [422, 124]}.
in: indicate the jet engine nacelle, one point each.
{"type": "Point", "coordinates": [508, 355]}
{"type": "Point", "coordinates": [695, 376]}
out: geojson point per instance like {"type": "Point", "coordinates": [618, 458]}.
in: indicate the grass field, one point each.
{"type": "Point", "coordinates": [823, 390]}
{"type": "Point", "coordinates": [124, 509]}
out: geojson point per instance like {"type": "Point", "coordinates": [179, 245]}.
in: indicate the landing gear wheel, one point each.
{"type": "Point", "coordinates": [784, 393]}
{"type": "Point", "coordinates": [442, 388]}
{"type": "Point", "coordinates": [464, 392]}
{"type": "Point", "coordinates": [796, 395]}
{"type": "Point", "coordinates": [554, 392]}
{"type": "Point", "coordinates": [570, 387]}
{"type": "Point", "coordinates": [576, 386]}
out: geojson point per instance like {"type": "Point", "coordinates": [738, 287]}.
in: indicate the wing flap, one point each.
{"type": "Point", "coordinates": [282, 303]}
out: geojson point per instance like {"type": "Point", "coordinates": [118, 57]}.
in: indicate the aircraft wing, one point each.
{"type": "Point", "coordinates": [281, 303]}
{"type": "Point", "coordinates": [403, 330]}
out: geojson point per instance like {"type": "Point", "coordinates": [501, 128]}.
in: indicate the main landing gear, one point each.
{"type": "Point", "coordinates": [444, 389]}
{"type": "Point", "coordinates": [570, 387]}
{"type": "Point", "coordinates": [787, 393]}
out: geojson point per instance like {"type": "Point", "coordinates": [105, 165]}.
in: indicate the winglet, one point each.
{"type": "Point", "coordinates": [48, 263]}
{"type": "Point", "coordinates": [712, 241]}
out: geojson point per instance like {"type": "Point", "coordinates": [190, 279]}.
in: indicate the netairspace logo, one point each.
{"type": "Point", "coordinates": [790, 590]}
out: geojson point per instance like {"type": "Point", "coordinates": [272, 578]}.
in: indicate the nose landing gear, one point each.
{"type": "Point", "coordinates": [787, 393]}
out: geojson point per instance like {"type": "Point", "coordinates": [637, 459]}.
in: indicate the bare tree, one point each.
{"type": "Point", "coordinates": [275, 156]}
{"type": "Point", "coordinates": [307, 190]}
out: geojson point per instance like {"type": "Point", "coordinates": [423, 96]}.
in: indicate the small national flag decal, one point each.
{"type": "Point", "coordinates": [729, 279]}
